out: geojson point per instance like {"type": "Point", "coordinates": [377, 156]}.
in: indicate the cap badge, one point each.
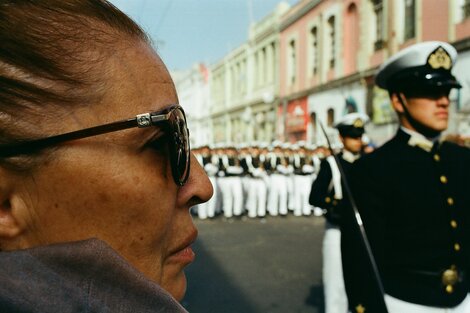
{"type": "Point", "coordinates": [440, 58]}
{"type": "Point", "coordinates": [358, 123]}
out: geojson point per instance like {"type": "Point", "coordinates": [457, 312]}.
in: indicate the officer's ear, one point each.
{"type": "Point", "coordinates": [12, 209]}
{"type": "Point", "coordinates": [397, 102]}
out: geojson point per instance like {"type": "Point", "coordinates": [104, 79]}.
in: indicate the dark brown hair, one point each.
{"type": "Point", "coordinates": [50, 52]}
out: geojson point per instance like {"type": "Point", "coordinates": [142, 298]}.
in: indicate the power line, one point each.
{"type": "Point", "coordinates": [164, 14]}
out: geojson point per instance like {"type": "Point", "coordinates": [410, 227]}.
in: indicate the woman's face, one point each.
{"type": "Point", "coordinates": [118, 187]}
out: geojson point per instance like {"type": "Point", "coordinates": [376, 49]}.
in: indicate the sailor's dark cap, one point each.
{"type": "Point", "coordinates": [422, 65]}
{"type": "Point", "coordinates": [352, 125]}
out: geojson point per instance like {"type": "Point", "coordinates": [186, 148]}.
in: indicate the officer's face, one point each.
{"type": "Point", "coordinates": [351, 144]}
{"type": "Point", "coordinates": [430, 111]}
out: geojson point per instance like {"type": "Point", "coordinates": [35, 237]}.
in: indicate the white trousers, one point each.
{"type": "Point", "coordinates": [336, 300]}
{"type": "Point", "coordinates": [277, 199]}
{"type": "Point", "coordinates": [302, 186]}
{"type": "Point", "coordinates": [256, 202]}
{"type": "Point", "coordinates": [395, 305]}
{"type": "Point", "coordinates": [246, 183]}
{"type": "Point", "coordinates": [207, 209]}
{"type": "Point", "coordinates": [232, 193]}
{"type": "Point", "coordinates": [290, 192]}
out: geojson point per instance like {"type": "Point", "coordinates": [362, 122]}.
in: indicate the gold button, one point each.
{"type": "Point", "coordinates": [437, 158]}
{"type": "Point", "coordinates": [327, 200]}
{"type": "Point", "coordinates": [453, 223]}
{"type": "Point", "coordinates": [443, 179]}
{"type": "Point", "coordinates": [456, 247]}
{"type": "Point", "coordinates": [450, 276]}
{"type": "Point", "coordinates": [450, 201]}
{"type": "Point", "coordinates": [449, 289]}
{"type": "Point", "coordinates": [360, 309]}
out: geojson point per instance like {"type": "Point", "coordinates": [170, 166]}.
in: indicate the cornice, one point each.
{"type": "Point", "coordinates": [297, 15]}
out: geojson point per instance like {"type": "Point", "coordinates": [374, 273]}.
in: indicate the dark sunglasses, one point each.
{"type": "Point", "coordinates": [173, 120]}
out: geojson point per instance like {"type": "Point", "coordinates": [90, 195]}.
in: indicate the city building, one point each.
{"type": "Point", "coordinates": [193, 90]}
{"type": "Point", "coordinates": [311, 63]}
{"type": "Point", "coordinates": [331, 49]}
{"type": "Point", "coordinates": [245, 85]}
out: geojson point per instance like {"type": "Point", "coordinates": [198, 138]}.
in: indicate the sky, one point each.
{"type": "Point", "coordinates": [186, 32]}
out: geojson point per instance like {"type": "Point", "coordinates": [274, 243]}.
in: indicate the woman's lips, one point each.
{"type": "Point", "coordinates": [184, 253]}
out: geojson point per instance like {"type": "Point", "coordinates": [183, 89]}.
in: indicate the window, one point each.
{"type": "Point", "coordinates": [264, 66]}
{"type": "Point", "coordinates": [292, 62]}
{"type": "Point", "coordinates": [313, 121]}
{"type": "Point", "coordinates": [379, 24]}
{"type": "Point", "coordinates": [330, 117]}
{"type": "Point", "coordinates": [410, 13]}
{"type": "Point", "coordinates": [351, 39]}
{"type": "Point", "coordinates": [314, 43]}
{"type": "Point", "coordinates": [466, 9]}
{"type": "Point", "coordinates": [273, 65]}
{"type": "Point", "coordinates": [331, 35]}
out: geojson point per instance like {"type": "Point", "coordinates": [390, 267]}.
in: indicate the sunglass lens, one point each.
{"type": "Point", "coordinates": [181, 155]}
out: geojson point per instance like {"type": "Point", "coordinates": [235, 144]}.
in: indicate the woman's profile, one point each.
{"type": "Point", "coordinates": [96, 172]}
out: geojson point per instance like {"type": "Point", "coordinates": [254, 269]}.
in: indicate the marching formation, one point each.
{"type": "Point", "coordinates": [259, 179]}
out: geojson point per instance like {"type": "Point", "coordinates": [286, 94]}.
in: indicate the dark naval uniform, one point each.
{"type": "Point", "coordinates": [415, 208]}
{"type": "Point", "coordinates": [329, 193]}
{"type": "Point", "coordinates": [322, 193]}
{"type": "Point", "coordinates": [413, 197]}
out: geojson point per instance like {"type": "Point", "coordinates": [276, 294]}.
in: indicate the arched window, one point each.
{"type": "Point", "coordinates": [466, 9]}
{"type": "Point", "coordinates": [410, 19]}
{"type": "Point", "coordinates": [314, 47]}
{"type": "Point", "coordinates": [292, 62]}
{"type": "Point", "coordinates": [351, 36]}
{"type": "Point", "coordinates": [332, 43]}
{"type": "Point", "coordinates": [379, 24]}
{"type": "Point", "coordinates": [330, 117]}
{"type": "Point", "coordinates": [313, 121]}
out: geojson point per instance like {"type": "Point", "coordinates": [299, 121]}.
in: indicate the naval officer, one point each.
{"type": "Point", "coordinates": [413, 194]}
{"type": "Point", "coordinates": [327, 193]}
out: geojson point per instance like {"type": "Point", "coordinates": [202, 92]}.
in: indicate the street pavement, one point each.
{"type": "Point", "coordinates": [268, 265]}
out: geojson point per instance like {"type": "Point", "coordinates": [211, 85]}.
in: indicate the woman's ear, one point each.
{"type": "Point", "coordinates": [12, 209]}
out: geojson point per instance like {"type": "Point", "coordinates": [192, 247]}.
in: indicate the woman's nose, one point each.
{"type": "Point", "coordinates": [198, 188]}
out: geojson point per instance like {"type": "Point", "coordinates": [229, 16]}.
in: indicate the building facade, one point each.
{"type": "Point", "coordinates": [245, 85]}
{"type": "Point", "coordinates": [193, 90]}
{"type": "Point", "coordinates": [331, 49]}
{"type": "Point", "coordinates": [310, 64]}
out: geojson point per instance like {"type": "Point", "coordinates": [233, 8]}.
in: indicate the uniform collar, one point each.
{"type": "Point", "coordinates": [418, 140]}
{"type": "Point", "coordinates": [349, 156]}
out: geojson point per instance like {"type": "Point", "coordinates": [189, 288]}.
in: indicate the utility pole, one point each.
{"type": "Point", "coordinates": [250, 11]}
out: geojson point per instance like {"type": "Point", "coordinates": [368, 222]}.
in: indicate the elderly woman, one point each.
{"type": "Point", "coordinates": [96, 174]}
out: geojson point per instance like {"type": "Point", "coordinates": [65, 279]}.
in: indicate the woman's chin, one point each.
{"type": "Point", "coordinates": [177, 286]}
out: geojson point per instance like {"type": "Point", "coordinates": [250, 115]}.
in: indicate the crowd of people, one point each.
{"type": "Point", "coordinates": [260, 179]}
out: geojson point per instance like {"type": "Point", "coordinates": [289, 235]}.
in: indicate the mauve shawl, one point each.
{"type": "Point", "coordinates": [84, 276]}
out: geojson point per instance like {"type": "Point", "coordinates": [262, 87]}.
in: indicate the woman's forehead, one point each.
{"type": "Point", "coordinates": [139, 82]}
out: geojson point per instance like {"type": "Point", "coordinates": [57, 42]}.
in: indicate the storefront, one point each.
{"type": "Point", "coordinates": [296, 120]}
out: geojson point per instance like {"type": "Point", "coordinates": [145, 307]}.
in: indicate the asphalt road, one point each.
{"type": "Point", "coordinates": [266, 265]}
